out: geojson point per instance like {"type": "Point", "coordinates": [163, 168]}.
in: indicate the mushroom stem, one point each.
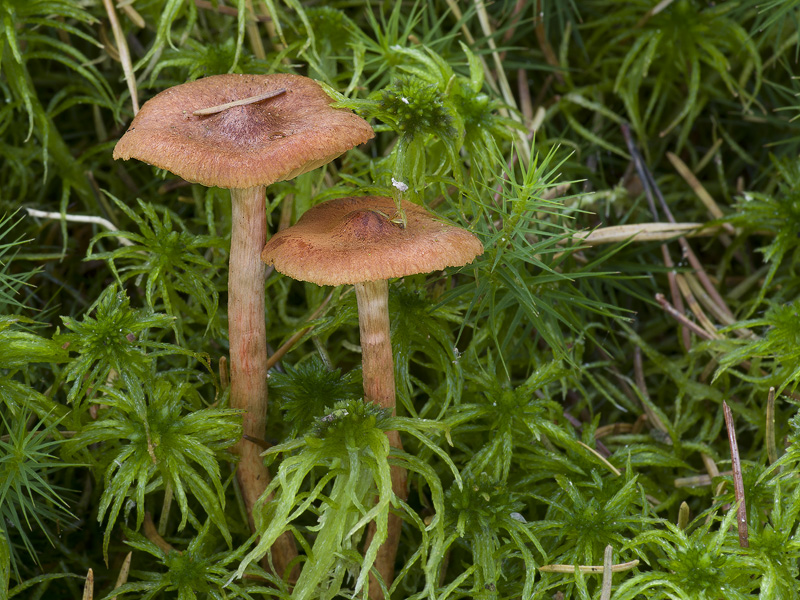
{"type": "Point", "coordinates": [247, 332]}
{"type": "Point", "coordinates": [376, 345]}
{"type": "Point", "coordinates": [378, 373]}
{"type": "Point", "coordinates": [247, 337]}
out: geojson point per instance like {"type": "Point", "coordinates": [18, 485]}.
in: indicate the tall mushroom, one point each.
{"type": "Point", "coordinates": [355, 241]}
{"type": "Point", "coordinates": [244, 132]}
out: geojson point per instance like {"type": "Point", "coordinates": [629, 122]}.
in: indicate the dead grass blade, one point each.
{"type": "Point", "coordinates": [738, 484]}
{"type": "Point", "coordinates": [124, 53]}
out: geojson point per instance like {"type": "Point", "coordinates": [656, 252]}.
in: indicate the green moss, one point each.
{"type": "Point", "coordinates": [560, 405]}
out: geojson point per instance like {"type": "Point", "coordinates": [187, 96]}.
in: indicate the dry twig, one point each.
{"type": "Point", "coordinates": [626, 566]}
{"type": "Point", "coordinates": [738, 484]}
{"type": "Point", "coordinates": [124, 53]}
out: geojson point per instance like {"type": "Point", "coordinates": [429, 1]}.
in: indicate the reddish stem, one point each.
{"type": "Point", "coordinates": [247, 336]}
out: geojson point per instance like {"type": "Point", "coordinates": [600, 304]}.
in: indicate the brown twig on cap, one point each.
{"type": "Point", "coordinates": [738, 484]}
{"type": "Point", "coordinates": [212, 110]}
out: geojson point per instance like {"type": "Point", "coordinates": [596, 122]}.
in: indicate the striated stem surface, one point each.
{"type": "Point", "coordinates": [378, 374]}
{"type": "Point", "coordinates": [248, 347]}
{"type": "Point", "coordinates": [376, 345]}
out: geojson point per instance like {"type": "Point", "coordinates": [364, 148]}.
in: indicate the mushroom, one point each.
{"type": "Point", "coordinates": [356, 241]}
{"type": "Point", "coordinates": [244, 132]}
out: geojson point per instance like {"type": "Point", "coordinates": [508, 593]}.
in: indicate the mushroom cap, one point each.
{"type": "Point", "coordinates": [352, 240]}
{"type": "Point", "coordinates": [244, 146]}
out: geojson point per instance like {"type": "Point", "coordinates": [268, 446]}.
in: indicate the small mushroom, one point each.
{"type": "Point", "coordinates": [244, 132]}
{"type": "Point", "coordinates": [356, 241]}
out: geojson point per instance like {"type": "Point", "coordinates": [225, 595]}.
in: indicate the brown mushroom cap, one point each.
{"type": "Point", "coordinates": [352, 240]}
{"type": "Point", "coordinates": [243, 146]}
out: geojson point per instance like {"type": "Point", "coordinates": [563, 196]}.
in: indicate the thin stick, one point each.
{"type": "Point", "coordinates": [212, 110]}
{"type": "Point", "coordinates": [132, 13]}
{"type": "Point", "coordinates": [258, 441]}
{"type": "Point", "coordinates": [80, 219]}
{"type": "Point", "coordinates": [710, 153]}
{"type": "Point", "coordinates": [456, 10]}
{"type": "Point", "coordinates": [151, 533]}
{"type": "Point", "coordinates": [672, 280]}
{"type": "Point", "coordinates": [124, 54]}
{"type": "Point", "coordinates": [505, 88]}
{"type": "Point", "coordinates": [670, 310]}
{"type": "Point", "coordinates": [712, 307]}
{"type": "Point", "coordinates": [613, 429]}
{"type": "Point", "coordinates": [683, 286]}
{"type": "Point", "coordinates": [287, 205]}
{"type": "Point", "coordinates": [683, 169]}
{"type": "Point", "coordinates": [287, 345]}
{"type": "Point", "coordinates": [686, 248]}
{"type": "Point", "coordinates": [602, 458]}
{"type": "Point", "coordinates": [772, 449]}
{"type": "Point", "coordinates": [641, 170]}
{"type": "Point", "coordinates": [252, 32]}
{"type": "Point", "coordinates": [626, 566]}
{"type": "Point", "coordinates": [650, 186]}
{"type": "Point", "coordinates": [602, 450]}
{"type": "Point", "coordinates": [608, 558]}
{"type": "Point", "coordinates": [738, 484]}
{"type": "Point", "coordinates": [641, 232]}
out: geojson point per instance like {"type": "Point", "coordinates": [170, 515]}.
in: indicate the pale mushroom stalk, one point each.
{"type": "Point", "coordinates": [378, 375]}
{"type": "Point", "coordinates": [376, 348]}
{"type": "Point", "coordinates": [247, 333]}
{"type": "Point", "coordinates": [247, 337]}
{"type": "Point", "coordinates": [354, 241]}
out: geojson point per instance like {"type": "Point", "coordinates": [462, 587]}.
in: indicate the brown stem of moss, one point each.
{"type": "Point", "coordinates": [378, 374]}
{"type": "Point", "coordinates": [247, 336]}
